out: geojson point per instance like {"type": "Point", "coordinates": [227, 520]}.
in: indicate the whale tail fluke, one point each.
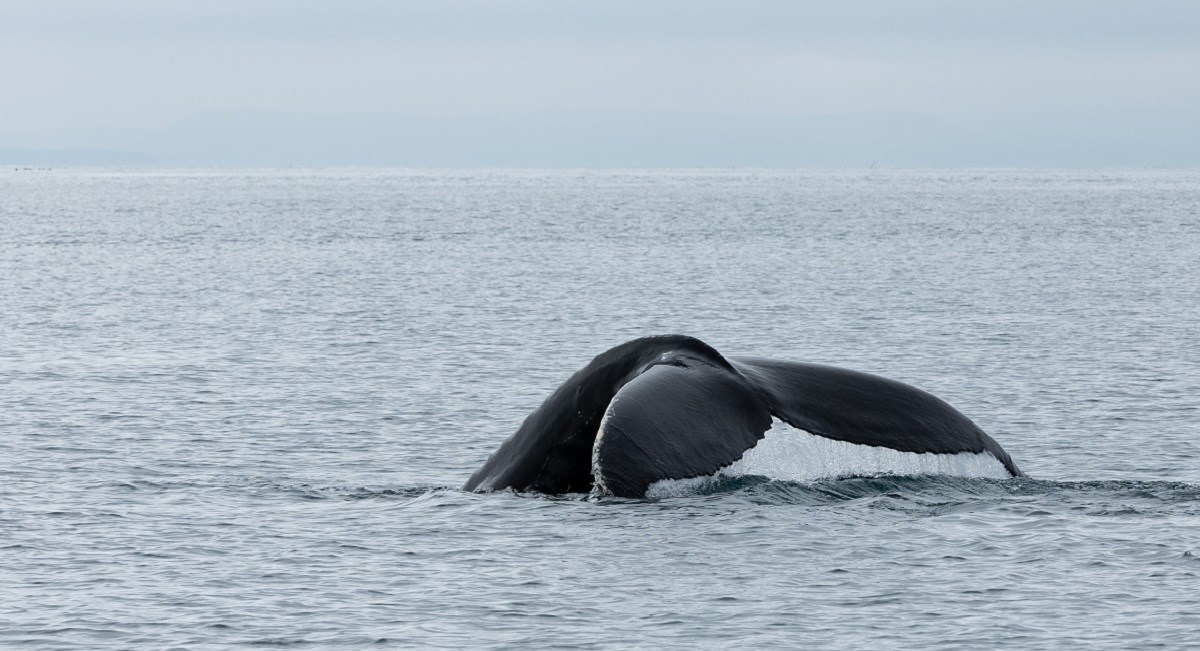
{"type": "Point", "coordinates": [672, 407]}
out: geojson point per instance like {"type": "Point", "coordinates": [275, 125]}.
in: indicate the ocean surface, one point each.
{"type": "Point", "coordinates": [237, 406]}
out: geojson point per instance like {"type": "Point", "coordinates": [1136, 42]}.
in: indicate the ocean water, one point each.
{"type": "Point", "coordinates": [236, 407]}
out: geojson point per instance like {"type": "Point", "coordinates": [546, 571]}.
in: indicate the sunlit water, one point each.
{"type": "Point", "coordinates": [236, 407]}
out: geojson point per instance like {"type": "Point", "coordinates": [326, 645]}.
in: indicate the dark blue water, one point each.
{"type": "Point", "coordinates": [235, 406]}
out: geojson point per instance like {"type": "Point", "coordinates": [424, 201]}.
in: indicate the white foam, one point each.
{"type": "Point", "coordinates": [789, 454]}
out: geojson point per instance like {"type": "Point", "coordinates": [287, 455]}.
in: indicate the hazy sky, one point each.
{"type": "Point", "coordinates": [94, 73]}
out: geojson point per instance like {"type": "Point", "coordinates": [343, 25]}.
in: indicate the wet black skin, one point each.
{"type": "Point", "coordinates": [683, 410]}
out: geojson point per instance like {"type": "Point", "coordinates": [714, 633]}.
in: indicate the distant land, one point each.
{"type": "Point", "coordinates": [623, 139]}
{"type": "Point", "coordinates": [72, 156]}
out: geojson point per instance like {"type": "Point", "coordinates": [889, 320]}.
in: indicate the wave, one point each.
{"type": "Point", "coordinates": [934, 494]}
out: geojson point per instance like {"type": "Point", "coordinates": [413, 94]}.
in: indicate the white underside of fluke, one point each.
{"type": "Point", "coordinates": [789, 454]}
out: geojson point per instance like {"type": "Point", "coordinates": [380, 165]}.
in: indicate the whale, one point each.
{"type": "Point", "coordinates": [671, 407]}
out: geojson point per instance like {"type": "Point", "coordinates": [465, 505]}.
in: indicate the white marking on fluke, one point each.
{"type": "Point", "coordinates": [789, 454]}
{"type": "Point", "coordinates": [598, 487]}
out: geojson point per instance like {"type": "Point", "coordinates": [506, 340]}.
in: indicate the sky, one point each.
{"type": "Point", "coordinates": [613, 83]}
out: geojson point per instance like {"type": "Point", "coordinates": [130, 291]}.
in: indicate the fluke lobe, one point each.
{"type": "Point", "coordinates": [672, 407]}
